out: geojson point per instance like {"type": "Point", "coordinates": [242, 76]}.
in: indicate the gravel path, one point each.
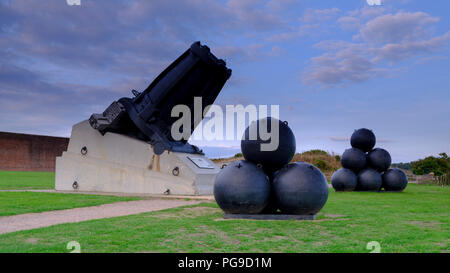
{"type": "Point", "coordinates": [145, 195]}
{"type": "Point", "coordinates": [49, 218]}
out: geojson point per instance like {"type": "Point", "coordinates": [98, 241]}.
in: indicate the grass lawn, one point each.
{"type": "Point", "coordinates": [26, 180]}
{"type": "Point", "coordinates": [12, 203]}
{"type": "Point", "coordinates": [417, 220]}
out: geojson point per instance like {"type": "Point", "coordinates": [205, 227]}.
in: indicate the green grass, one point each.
{"type": "Point", "coordinates": [26, 180]}
{"type": "Point", "coordinates": [12, 203]}
{"type": "Point", "coordinates": [417, 220]}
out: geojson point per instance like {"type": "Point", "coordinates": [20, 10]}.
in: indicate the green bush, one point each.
{"type": "Point", "coordinates": [322, 165]}
{"type": "Point", "coordinates": [437, 165]}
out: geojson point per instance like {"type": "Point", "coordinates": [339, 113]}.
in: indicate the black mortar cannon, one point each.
{"type": "Point", "coordinates": [147, 116]}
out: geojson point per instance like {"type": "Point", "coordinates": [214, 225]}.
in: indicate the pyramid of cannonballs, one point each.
{"type": "Point", "coordinates": [266, 183]}
{"type": "Point", "coordinates": [367, 169]}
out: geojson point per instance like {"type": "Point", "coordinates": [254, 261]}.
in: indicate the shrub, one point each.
{"type": "Point", "coordinates": [326, 162]}
{"type": "Point", "coordinates": [319, 163]}
{"type": "Point", "coordinates": [437, 165]}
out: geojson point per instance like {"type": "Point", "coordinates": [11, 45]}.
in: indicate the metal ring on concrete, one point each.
{"type": "Point", "coordinates": [176, 171]}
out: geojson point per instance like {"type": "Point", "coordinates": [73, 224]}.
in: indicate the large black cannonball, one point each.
{"type": "Point", "coordinates": [272, 206]}
{"type": "Point", "coordinates": [363, 139]}
{"type": "Point", "coordinates": [242, 188]}
{"type": "Point", "coordinates": [353, 159]}
{"type": "Point", "coordinates": [379, 159]}
{"type": "Point", "coordinates": [344, 180]}
{"type": "Point", "coordinates": [300, 188]}
{"type": "Point", "coordinates": [270, 160]}
{"type": "Point", "coordinates": [369, 180]}
{"type": "Point", "coordinates": [394, 180]}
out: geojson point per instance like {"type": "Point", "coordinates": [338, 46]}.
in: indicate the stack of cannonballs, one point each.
{"type": "Point", "coordinates": [367, 169]}
{"type": "Point", "coordinates": [265, 182]}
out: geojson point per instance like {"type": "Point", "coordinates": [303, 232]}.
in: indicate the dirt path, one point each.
{"type": "Point", "coordinates": [49, 218]}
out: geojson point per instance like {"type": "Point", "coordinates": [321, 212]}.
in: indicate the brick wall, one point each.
{"type": "Point", "coordinates": [22, 152]}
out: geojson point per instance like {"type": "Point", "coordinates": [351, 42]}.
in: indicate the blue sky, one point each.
{"type": "Point", "coordinates": [332, 66]}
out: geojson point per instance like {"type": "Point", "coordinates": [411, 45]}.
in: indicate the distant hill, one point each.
{"type": "Point", "coordinates": [404, 166]}
{"type": "Point", "coordinates": [326, 162]}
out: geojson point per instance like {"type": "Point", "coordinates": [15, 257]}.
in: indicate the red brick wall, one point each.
{"type": "Point", "coordinates": [21, 152]}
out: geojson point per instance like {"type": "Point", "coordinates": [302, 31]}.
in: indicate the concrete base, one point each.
{"type": "Point", "coordinates": [116, 163]}
{"type": "Point", "coordinates": [269, 216]}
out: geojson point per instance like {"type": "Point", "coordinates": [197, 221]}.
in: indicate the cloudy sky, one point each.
{"type": "Point", "coordinates": [332, 66]}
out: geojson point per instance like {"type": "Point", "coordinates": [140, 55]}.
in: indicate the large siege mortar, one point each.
{"type": "Point", "coordinates": [129, 147]}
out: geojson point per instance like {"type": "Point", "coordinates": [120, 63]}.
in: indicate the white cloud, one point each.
{"type": "Point", "coordinates": [383, 40]}
{"type": "Point", "coordinates": [397, 28]}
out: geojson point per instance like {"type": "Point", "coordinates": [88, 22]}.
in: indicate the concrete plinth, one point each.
{"type": "Point", "coordinates": [120, 164]}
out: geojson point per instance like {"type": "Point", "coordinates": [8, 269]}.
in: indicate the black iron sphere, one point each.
{"type": "Point", "coordinates": [272, 206]}
{"type": "Point", "coordinates": [344, 180]}
{"type": "Point", "coordinates": [242, 188]}
{"type": "Point", "coordinates": [270, 160]}
{"type": "Point", "coordinates": [379, 159]}
{"type": "Point", "coordinates": [363, 139]}
{"type": "Point", "coordinates": [353, 159]}
{"type": "Point", "coordinates": [369, 180]}
{"type": "Point", "coordinates": [300, 188]}
{"type": "Point", "coordinates": [394, 180]}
